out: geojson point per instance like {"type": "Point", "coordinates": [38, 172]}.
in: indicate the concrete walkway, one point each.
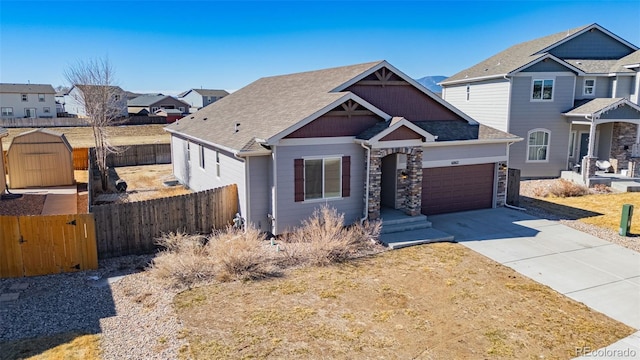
{"type": "Point", "coordinates": [600, 274]}
{"type": "Point", "coordinates": [60, 200]}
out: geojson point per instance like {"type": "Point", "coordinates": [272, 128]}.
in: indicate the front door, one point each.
{"type": "Point", "coordinates": [584, 145]}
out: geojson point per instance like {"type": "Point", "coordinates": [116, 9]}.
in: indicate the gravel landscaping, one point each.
{"type": "Point", "coordinates": [27, 204]}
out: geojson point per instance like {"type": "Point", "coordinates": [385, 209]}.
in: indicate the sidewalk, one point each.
{"type": "Point", "coordinates": [60, 200]}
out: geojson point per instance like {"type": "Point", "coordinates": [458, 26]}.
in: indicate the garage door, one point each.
{"type": "Point", "coordinates": [457, 188]}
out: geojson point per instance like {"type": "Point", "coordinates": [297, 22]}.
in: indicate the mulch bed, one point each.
{"type": "Point", "coordinates": [28, 204]}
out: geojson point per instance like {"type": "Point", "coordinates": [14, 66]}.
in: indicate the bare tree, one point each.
{"type": "Point", "coordinates": [101, 100]}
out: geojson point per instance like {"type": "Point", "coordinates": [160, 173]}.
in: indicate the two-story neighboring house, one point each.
{"type": "Point", "coordinates": [27, 101]}
{"type": "Point", "coordinates": [74, 105]}
{"type": "Point", "coordinates": [199, 98]}
{"type": "Point", "coordinates": [572, 96]}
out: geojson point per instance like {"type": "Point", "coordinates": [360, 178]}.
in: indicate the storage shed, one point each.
{"type": "Point", "coordinates": [40, 158]}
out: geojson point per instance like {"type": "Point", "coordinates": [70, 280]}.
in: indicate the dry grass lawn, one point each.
{"type": "Point", "coordinates": [146, 182]}
{"type": "Point", "coordinates": [69, 346]}
{"type": "Point", "coordinates": [439, 301]}
{"type": "Point", "coordinates": [82, 137]}
{"type": "Point", "coordinates": [609, 205]}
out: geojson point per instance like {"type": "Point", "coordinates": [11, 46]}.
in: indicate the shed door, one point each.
{"type": "Point", "coordinates": [457, 188]}
{"type": "Point", "coordinates": [42, 170]}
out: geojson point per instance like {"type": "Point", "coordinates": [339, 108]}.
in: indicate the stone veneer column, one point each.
{"type": "Point", "coordinates": [375, 183]}
{"type": "Point", "coordinates": [413, 193]}
{"type": "Point", "coordinates": [622, 139]}
{"type": "Point", "coordinates": [501, 195]}
{"type": "Point", "coordinates": [634, 167]}
{"type": "Point", "coordinates": [588, 168]}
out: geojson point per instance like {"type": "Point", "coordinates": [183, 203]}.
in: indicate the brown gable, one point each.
{"type": "Point", "coordinates": [401, 133]}
{"type": "Point", "coordinates": [396, 97]}
{"type": "Point", "coordinates": [348, 119]}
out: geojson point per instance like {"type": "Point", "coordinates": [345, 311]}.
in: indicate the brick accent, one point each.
{"type": "Point", "coordinates": [409, 194]}
{"type": "Point", "coordinates": [501, 193]}
{"type": "Point", "coordinates": [622, 139]}
{"type": "Point", "coordinates": [588, 168]}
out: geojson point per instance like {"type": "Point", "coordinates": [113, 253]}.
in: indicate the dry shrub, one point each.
{"type": "Point", "coordinates": [322, 239]}
{"type": "Point", "coordinates": [565, 188]}
{"type": "Point", "coordinates": [241, 255]}
{"type": "Point", "coordinates": [184, 260]}
{"type": "Point", "coordinates": [234, 254]}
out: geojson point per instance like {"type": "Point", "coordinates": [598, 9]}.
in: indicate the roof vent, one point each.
{"type": "Point", "coordinates": [193, 117]}
{"type": "Point", "coordinates": [204, 119]}
{"type": "Point", "coordinates": [236, 128]}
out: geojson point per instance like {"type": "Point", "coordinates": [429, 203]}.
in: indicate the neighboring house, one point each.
{"type": "Point", "coordinates": [149, 104]}
{"type": "Point", "coordinates": [74, 106]}
{"type": "Point", "coordinates": [357, 138]}
{"type": "Point", "coordinates": [199, 98]}
{"type": "Point", "coordinates": [571, 95]}
{"type": "Point", "coordinates": [3, 181]}
{"type": "Point", "coordinates": [171, 114]}
{"type": "Point", "coordinates": [27, 101]}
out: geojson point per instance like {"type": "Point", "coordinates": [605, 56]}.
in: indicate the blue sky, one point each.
{"type": "Point", "coordinates": [169, 46]}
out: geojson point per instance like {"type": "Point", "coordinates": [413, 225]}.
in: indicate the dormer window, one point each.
{"type": "Point", "coordinates": [589, 87]}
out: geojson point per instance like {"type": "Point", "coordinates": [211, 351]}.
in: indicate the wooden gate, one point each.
{"type": "Point", "coordinates": [41, 245]}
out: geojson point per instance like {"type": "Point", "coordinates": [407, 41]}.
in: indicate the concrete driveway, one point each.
{"type": "Point", "coordinates": [60, 200]}
{"type": "Point", "coordinates": [600, 274]}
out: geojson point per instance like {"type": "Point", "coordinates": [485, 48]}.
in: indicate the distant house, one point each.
{"type": "Point", "coordinates": [149, 104]}
{"type": "Point", "coordinates": [27, 101]}
{"type": "Point", "coordinates": [199, 98]}
{"type": "Point", "coordinates": [171, 114]}
{"type": "Point", "coordinates": [74, 106]}
{"type": "Point", "coordinates": [572, 95]}
{"type": "Point", "coordinates": [358, 138]}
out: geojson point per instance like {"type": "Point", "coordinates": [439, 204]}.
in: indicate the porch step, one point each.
{"type": "Point", "coordinates": [626, 186]}
{"type": "Point", "coordinates": [415, 237]}
{"type": "Point", "coordinates": [404, 223]}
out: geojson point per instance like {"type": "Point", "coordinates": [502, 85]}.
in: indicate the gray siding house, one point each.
{"type": "Point", "coordinates": [149, 104]}
{"type": "Point", "coordinates": [199, 98]}
{"type": "Point", "coordinates": [358, 138]}
{"type": "Point", "coordinates": [573, 97]}
{"type": "Point", "coordinates": [74, 105]}
{"type": "Point", "coordinates": [27, 101]}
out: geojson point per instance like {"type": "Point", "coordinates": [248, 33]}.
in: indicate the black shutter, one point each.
{"type": "Point", "coordinates": [298, 171]}
{"type": "Point", "coordinates": [346, 176]}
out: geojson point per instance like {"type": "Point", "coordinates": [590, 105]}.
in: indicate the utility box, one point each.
{"type": "Point", "coordinates": [625, 220]}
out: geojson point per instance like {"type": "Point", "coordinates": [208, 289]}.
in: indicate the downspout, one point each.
{"type": "Point", "coordinates": [366, 188]}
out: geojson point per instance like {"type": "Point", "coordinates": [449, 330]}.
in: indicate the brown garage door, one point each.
{"type": "Point", "coordinates": [457, 188]}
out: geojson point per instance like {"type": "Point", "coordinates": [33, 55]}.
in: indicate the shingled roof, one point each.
{"type": "Point", "coordinates": [267, 107]}
{"type": "Point", "coordinates": [27, 88]}
{"type": "Point", "coordinates": [597, 106]}
{"type": "Point", "coordinates": [520, 55]}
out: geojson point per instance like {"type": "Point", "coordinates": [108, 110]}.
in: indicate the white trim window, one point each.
{"type": "Point", "coordinates": [468, 92]}
{"type": "Point", "coordinates": [41, 97]}
{"type": "Point", "coordinates": [188, 151]}
{"type": "Point", "coordinates": [46, 110]}
{"type": "Point", "coordinates": [542, 90]}
{"type": "Point", "coordinates": [323, 178]}
{"type": "Point", "coordinates": [218, 164]}
{"type": "Point", "coordinates": [7, 111]}
{"type": "Point", "coordinates": [589, 87]}
{"type": "Point", "coordinates": [538, 145]}
{"type": "Point", "coordinates": [201, 158]}
{"type": "Point", "coordinates": [24, 97]}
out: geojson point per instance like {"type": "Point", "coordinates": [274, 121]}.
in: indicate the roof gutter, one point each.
{"type": "Point", "coordinates": [472, 142]}
{"type": "Point", "coordinates": [488, 77]}
{"type": "Point", "coordinates": [198, 140]}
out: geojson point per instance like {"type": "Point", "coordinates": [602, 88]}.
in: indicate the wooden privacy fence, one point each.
{"type": "Point", "coordinates": [41, 245]}
{"type": "Point", "coordinates": [131, 228]}
{"type": "Point", "coordinates": [42, 122]}
{"type": "Point", "coordinates": [149, 154]}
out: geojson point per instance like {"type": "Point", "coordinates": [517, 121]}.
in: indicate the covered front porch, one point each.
{"type": "Point", "coordinates": [604, 145]}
